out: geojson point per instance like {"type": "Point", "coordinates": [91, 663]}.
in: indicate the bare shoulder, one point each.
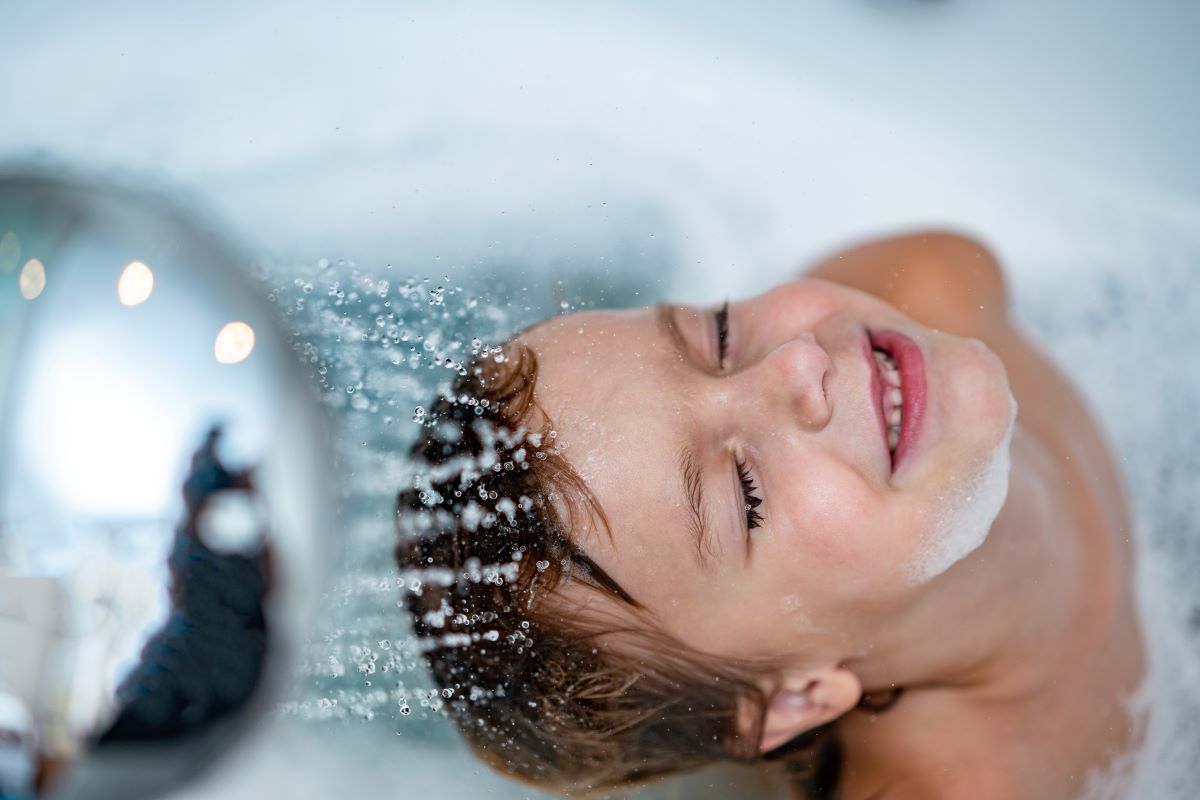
{"type": "Point", "coordinates": [942, 279]}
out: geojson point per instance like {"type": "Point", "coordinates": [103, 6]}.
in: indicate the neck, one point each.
{"type": "Point", "coordinates": [1011, 599]}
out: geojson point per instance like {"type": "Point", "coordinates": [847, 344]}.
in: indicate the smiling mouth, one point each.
{"type": "Point", "coordinates": [900, 377]}
{"type": "Point", "coordinates": [891, 397]}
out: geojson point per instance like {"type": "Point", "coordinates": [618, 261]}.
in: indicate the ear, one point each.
{"type": "Point", "coordinates": [805, 701]}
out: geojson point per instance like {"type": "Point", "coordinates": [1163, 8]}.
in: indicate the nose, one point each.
{"type": "Point", "coordinates": [794, 377]}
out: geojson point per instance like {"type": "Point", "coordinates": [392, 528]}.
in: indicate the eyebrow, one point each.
{"type": "Point", "coordinates": [693, 490]}
{"type": "Point", "coordinates": [691, 478]}
{"type": "Point", "coordinates": [664, 315]}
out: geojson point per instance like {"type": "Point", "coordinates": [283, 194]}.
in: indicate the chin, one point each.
{"type": "Point", "coordinates": [975, 490]}
{"type": "Point", "coordinates": [998, 407]}
{"type": "Point", "coordinates": [977, 398]}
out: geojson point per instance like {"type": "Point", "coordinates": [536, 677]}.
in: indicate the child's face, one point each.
{"type": "Point", "coordinates": [666, 440]}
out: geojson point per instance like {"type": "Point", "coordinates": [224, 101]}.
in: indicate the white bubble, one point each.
{"type": "Point", "coordinates": [965, 520]}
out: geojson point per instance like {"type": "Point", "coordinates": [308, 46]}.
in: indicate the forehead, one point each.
{"type": "Point", "coordinates": [607, 382]}
{"type": "Point", "coordinates": [574, 344]}
{"type": "Point", "coordinates": [594, 371]}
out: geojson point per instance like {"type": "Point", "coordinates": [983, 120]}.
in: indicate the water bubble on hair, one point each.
{"type": "Point", "coordinates": [377, 346]}
{"type": "Point", "coordinates": [508, 508]}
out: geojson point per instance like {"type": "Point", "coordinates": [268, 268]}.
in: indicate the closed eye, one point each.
{"type": "Point", "coordinates": [750, 500]}
{"type": "Point", "coordinates": [721, 319]}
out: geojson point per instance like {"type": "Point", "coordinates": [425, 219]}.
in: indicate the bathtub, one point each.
{"type": "Point", "coordinates": [685, 151]}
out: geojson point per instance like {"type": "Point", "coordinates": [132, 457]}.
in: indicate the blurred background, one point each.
{"type": "Point", "coordinates": [478, 166]}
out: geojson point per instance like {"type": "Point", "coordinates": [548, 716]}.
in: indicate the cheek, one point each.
{"type": "Point", "coordinates": [844, 538]}
{"type": "Point", "coordinates": [802, 303]}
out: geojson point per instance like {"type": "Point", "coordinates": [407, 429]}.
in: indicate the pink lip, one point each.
{"type": "Point", "coordinates": [911, 363]}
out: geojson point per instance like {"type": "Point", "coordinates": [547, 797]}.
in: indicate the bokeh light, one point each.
{"type": "Point", "coordinates": [234, 343]}
{"type": "Point", "coordinates": [32, 279]}
{"type": "Point", "coordinates": [135, 284]}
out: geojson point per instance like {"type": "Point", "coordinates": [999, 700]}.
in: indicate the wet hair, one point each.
{"type": "Point", "coordinates": [566, 695]}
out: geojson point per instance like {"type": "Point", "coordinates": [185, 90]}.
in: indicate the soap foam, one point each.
{"type": "Point", "coordinates": [967, 513]}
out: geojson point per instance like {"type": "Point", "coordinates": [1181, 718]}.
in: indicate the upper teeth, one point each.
{"type": "Point", "coordinates": [892, 398]}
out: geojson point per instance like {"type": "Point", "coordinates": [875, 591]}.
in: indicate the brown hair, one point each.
{"type": "Point", "coordinates": [537, 686]}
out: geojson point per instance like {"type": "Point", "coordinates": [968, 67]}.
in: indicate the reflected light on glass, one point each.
{"type": "Point", "coordinates": [234, 343]}
{"type": "Point", "coordinates": [135, 284]}
{"type": "Point", "coordinates": [105, 441]}
{"type": "Point", "coordinates": [10, 251]}
{"type": "Point", "coordinates": [32, 279]}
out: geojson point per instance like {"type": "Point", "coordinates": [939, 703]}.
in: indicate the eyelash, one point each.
{"type": "Point", "coordinates": [752, 501]}
{"type": "Point", "coordinates": [722, 320]}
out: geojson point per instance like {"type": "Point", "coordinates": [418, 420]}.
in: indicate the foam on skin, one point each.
{"type": "Point", "coordinates": [968, 511]}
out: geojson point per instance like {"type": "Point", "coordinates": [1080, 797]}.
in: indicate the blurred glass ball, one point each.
{"type": "Point", "coordinates": [128, 332]}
